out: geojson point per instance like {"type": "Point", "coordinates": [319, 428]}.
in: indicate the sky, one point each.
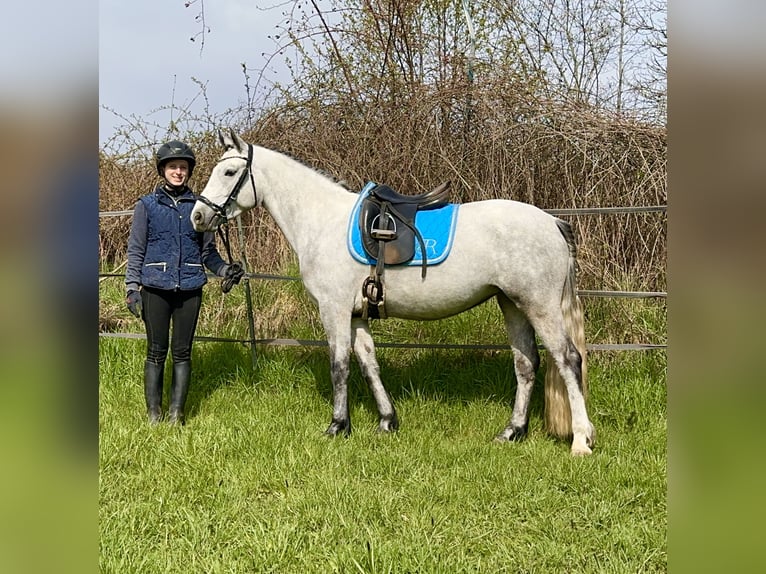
{"type": "Point", "coordinates": [147, 60]}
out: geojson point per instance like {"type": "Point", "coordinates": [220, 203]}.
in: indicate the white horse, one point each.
{"type": "Point", "coordinates": [512, 251]}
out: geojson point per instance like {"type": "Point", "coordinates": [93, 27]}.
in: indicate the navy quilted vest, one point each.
{"type": "Point", "coordinates": [173, 249]}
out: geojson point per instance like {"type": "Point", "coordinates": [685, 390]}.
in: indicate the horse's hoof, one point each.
{"type": "Point", "coordinates": [386, 428]}
{"type": "Point", "coordinates": [388, 425]}
{"type": "Point", "coordinates": [337, 428]}
{"type": "Point", "coordinates": [581, 450]}
{"type": "Point", "coordinates": [580, 446]}
{"type": "Point", "coordinates": [512, 434]}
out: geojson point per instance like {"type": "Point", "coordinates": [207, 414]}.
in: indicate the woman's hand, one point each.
{"type": "Point", "coordinates": [232, 275]}
{"type": "Point", "coordinates": [134, 302]}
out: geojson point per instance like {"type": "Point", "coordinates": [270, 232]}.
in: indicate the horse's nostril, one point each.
{"type": "Point", "coordinates": [197, 217]}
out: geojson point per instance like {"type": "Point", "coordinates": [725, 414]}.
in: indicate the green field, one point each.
{"type": "Point", "coordinates": [250, 484]}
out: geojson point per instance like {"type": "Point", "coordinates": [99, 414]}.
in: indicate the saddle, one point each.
{"type": "Point", "coordinates": [387, 222]}
{"type": "Point", "coordinates": [388, 234]}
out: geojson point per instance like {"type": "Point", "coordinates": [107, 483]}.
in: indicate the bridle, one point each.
{"type": "Point", "coordinates": [220, 210]}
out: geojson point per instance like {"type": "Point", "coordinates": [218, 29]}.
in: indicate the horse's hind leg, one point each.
{"type": "Point", "coordinates": [568, 360]}
{"type": "Point", "coordinates": [526, 360]}
{"type": "Point", "coordinates": [364, 349]}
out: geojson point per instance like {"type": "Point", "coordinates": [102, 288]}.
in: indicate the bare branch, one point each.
{"type": "Point", "coordinates": [200, 17]}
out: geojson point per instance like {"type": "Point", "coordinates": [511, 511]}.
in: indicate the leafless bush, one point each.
{"type": "Point", "coordinates": [541, 153]}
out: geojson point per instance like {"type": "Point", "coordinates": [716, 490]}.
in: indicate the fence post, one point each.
{"type": "Point", "coordinates": [248, 296]}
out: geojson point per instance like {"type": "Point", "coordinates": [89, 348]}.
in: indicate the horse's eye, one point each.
{"type": "Point", "coordinates": [230, 172]}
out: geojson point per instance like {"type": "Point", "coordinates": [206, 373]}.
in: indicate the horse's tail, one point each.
{"type": "Point", "coordinates": [558, 416]}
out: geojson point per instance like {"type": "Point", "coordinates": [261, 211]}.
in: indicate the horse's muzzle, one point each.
{"type": "Point", "coordinates": [202, 223]}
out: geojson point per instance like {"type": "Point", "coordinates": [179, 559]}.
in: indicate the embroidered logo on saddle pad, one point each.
{"type": "Point", "coordinates": [436, 226]}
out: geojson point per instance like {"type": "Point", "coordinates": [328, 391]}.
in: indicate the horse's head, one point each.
{"type": "Point", "coordinates": [230, 190]}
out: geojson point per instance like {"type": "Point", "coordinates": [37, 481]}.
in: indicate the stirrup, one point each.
{"type": "Point", "coordinates": [382, 234]}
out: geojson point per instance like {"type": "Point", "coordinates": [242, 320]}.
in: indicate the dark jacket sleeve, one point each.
{"type": "Point", "coordinates": [136, 248]}
{"type": "Point", "coordinates": [210, 256]}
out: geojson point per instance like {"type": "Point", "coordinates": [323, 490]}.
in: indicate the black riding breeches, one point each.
{"type": "Point", "coordinates": [160, 309]}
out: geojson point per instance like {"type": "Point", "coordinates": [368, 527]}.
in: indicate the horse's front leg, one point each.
{"type": "Point", "coordinates": [338, 330]}
{"type": "Point", "coordinates": [364, 349]}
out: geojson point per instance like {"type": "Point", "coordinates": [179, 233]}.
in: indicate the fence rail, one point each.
{"type": "Point", "coordinates": [580, 292]}
{"type": "Point", "coordinates": [565, 211]}
{"type": "Point", "coordinates": [383, 345]}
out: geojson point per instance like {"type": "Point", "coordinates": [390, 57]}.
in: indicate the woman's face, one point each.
{"type": "Point", "coordinates": [176, 171]}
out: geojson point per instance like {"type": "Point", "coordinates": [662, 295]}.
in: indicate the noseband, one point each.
{"type": "Point", "coordinates": [220, 210]}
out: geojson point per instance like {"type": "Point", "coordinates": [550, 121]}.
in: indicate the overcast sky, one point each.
{"type": "Point", "coordinates": [145, 50]}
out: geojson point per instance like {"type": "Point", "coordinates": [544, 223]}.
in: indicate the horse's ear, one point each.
{"type": "Point", "coordinates": [240, 144]}
{"type": "Point", "coordinates": [226, 142]}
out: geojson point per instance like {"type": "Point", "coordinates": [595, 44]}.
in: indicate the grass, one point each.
{"type": "Point", "coordinates": [252, 485]}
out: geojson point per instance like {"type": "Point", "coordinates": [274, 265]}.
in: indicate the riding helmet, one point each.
{"type": "Point", "coordinates": [175, 150]}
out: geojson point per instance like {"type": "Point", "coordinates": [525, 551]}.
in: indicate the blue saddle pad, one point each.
{"type": "Point", "coordinates": [437, 226]}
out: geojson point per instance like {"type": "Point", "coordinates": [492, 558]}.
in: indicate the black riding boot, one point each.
{"type": "Point", "coordinates": [153, 376]}
{"type": "Point", "coordinates": [178, 391]}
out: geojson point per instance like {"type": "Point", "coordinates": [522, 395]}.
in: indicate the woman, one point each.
{"type": "Point", "coordinates": [165, 275]}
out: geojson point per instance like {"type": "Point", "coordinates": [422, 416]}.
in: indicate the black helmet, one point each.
{"type": "Point", "coordinates": [175, 150]}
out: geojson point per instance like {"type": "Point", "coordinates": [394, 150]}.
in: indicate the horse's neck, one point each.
{"type": "Point", "coordinates": [301, 201]}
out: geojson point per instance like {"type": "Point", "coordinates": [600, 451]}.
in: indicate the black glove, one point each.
{"type": "Point", "coordinates": [232, 276]}
{"type": "Point", "coordinates": [135, 304]}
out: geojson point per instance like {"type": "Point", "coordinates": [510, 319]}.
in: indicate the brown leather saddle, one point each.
{"type": "Point", "coordinates": [387, 222]}
{"type": "Point", "coordinates": [388, 233]}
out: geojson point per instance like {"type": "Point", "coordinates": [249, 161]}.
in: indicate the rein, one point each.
{"type": "Point", "coordinates": [220, 210]}
{"type": "Point", "coordinates": [224, 235]}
